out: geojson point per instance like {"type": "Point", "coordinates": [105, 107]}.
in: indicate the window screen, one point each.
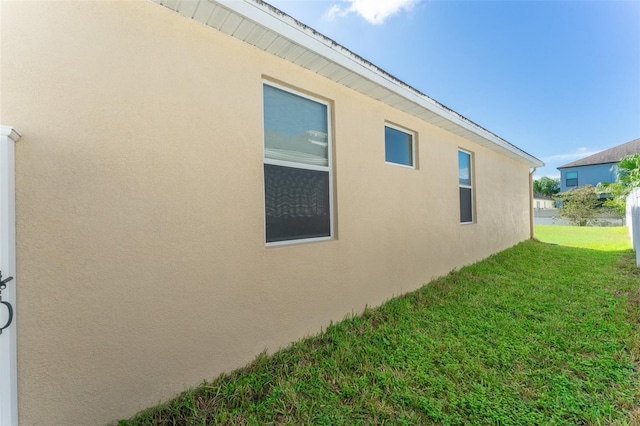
{"type": "Point", "coordinates": [296, 203]}
{"type": "Point", "coordinates": [297, 177]}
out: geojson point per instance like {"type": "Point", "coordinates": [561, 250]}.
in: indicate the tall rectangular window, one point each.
{"type": "Point", "coordinates": [465, 184]}
{"type": "Point", "coordinates": [398, 147]}
{"type": "Point", "coordinates": [571, 179]}
{"type": "Point", "coordinates": [297, 167]}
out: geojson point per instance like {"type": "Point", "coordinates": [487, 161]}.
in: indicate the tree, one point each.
{"type": "Point", "coordinates": [546, 186]}
{"type": "Point", "coordinates": [578, 205]}
{"type": "Point", "coordinates": [627, 178]}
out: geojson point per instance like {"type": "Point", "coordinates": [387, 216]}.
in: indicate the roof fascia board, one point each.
{"type": "Point", "coordinates": [285, 26]}
{"type": "Point", "coordinates": [613, 163]}
{"type": "Point", "coordinates": [311, 40]}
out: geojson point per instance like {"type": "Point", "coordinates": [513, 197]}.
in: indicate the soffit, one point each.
{"type": "Point", "coordinates": [272, 31]}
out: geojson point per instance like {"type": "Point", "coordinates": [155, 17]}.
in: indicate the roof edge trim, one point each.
{"type": "Point", "coordinates": [278, 22]}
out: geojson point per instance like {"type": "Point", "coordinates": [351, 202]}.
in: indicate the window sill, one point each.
{"type": "Point", "coordinates": [404, 166]}
{"type": "Point", "coordinates": [299, 242]}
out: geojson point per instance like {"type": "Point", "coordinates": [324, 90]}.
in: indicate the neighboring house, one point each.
{"type": "Point", "coordinates": [187, 195]}
{"type": "Point", "coordinates": [596, 168]}
{"type": "Point", "coordinates": [542, 202]}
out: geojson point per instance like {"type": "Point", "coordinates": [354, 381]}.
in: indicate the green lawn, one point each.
{"type": "Point", "coordinates": [538, 334]}
{"type": "Point", "coordinates": [599, 238]}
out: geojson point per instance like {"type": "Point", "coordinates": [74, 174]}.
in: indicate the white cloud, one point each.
{"type": "Point", "coordinates": [374, 11]}
{"type": "Point", "coordinates": [568, 157]}
{"type": "Point", "coordinates": [548, 173]}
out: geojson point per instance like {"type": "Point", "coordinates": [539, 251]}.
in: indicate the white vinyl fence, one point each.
{"type": "Point", "coordinates": [633, 221]}
{"type": "Point", "coordinates": [552, 217]}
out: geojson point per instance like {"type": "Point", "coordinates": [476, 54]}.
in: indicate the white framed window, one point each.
{"type": "Point", "coordinates": [399, 146]}
{"type": "Point", "coordinates": [298, 185]}
{"type": "Point", "coordinates": [465, 183]}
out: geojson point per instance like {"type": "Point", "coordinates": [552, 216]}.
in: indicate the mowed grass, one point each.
{"type": "Point", "coordinates": [598, 238]}
{"type": "Point", "coordinates": [537, 334]}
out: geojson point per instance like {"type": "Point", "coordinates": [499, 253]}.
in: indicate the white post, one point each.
{"type": "Point", "coordinates": [8, 352]}
{"type": "Point", "coordinates": [629, 217]}
{"type": "Point", "coordinates": [633, 221]}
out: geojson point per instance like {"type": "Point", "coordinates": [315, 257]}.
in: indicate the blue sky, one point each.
{"type": "Point", "coordinates": [559, 79]}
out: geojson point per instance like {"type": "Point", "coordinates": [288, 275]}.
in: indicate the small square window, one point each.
{"type": "Point", "coordinates": [398, 147]}
{"type": "Point", "coordinates": [571, 179]}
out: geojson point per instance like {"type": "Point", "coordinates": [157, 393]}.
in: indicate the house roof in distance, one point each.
{"type": "Point", "coordinates": [273, 31]}
{"type": "Point", "coordinates": [611, 155]}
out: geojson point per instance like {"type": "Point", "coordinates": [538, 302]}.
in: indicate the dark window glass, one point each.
{"type": "Point", "coordinates": [398, 147]}
{"type": "Point", "coordinates": [296, 203]}
{"type": "Point", "coordinates": [466, 208]}
{"type": "Point", "coordinates": [572, 179]}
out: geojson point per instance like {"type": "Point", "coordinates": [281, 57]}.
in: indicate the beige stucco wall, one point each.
{"type": "Point", "coordinates": [141, 252]}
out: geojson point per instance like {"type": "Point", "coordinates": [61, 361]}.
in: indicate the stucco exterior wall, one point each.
{"type": "Point", "coordinates": [140, 210]}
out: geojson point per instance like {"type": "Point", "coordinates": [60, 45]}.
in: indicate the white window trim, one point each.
{"type": "Point", "coordinates": [472, 178]}
{"type": "Point", "coordinates": [8, 338]}
{"type": "Point", "coordinates": [295, 165]}
{"type": "Point", "coordinates": [328, 168]}
{"type": "Point", "coordinates": [413, 145]}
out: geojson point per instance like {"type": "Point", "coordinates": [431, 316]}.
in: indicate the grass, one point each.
{"type": "Point", "coordinates": [537, 334]}
{"type": "Point", "coordinates": [598, 238]}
